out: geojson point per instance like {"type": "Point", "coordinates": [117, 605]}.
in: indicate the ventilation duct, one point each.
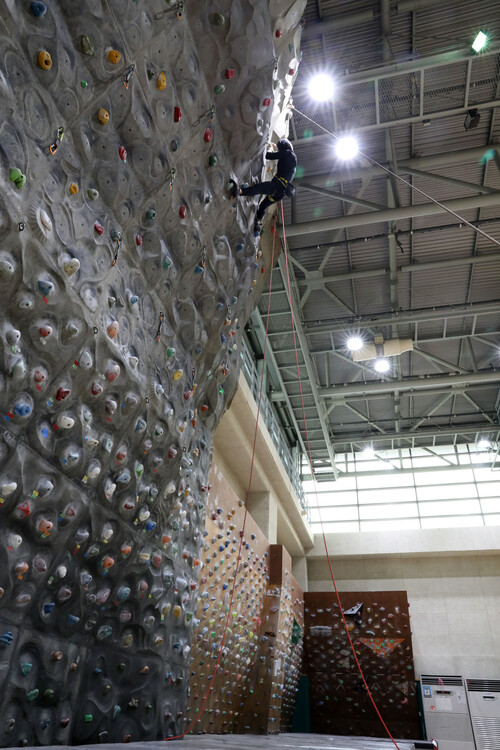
{"type": "Point", "coordinates": [390, 348]}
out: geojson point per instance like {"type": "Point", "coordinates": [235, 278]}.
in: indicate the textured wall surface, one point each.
{"type": "Point", "coordinates": [255, 682]}
{"type": "Point", "coordinates": [125, 274]}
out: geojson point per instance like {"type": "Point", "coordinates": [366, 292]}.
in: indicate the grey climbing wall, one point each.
{"type": "Point", "coordinates": [126, 274]}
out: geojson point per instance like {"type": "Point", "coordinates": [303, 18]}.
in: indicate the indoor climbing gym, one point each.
{"type": "Point", "coordinates": [250, 374]}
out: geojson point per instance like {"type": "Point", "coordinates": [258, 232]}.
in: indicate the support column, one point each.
{"type": "Point", "coordinates": [299, 571]}
{"type": "Point", "coordinates": [264, 512]}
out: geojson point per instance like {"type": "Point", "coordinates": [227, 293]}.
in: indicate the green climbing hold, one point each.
{"type": "Point", "coordinates": [93, 194]}
{"type": "Point", "coordinates": [217, 19]}
{"type": "Point", "coordinates": [48, 694]}
{"type": "Point", "coordinates": [219, 88]}
{"type": "Point", "coordinates": [32, 694]}
{"type": "Point", "coordinates": [150, 214]}
{"type": "Point", "coordinates": [17, 177]}
{"type": "Point", "coordinates": [170, 351]}
{"type": "Point", "coordinates": [212, 160]}
{"type": "Point", "coordinates": [86, 45]}
{"type": "Point", "coordinates": [88, 718]}
{"type": "Point", "coordinates": [83, 84]}
{"type": "Point", "coordinates": [26, 668]}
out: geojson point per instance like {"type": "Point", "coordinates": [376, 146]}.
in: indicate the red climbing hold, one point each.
{"type": "Point", "coordinates": [98, 228]}
{"type": "Point", "coordinates": [138, 240]}
{"type": "Point", "coordinates": [278, 33]}
{"type": "Point", "coordinates": [229, 73]}
{"type": "Point", "coordinates": [266, 102]}
{"type": "Point", "coordinates": [177, 114]}
{"type": "Point", "coordinates": [207, 137]}
{"type": "Point", "coordinates": [62, 393]}
{"type": "Point", "coordinates": [123, 153]}
{"type": "Point", "coordinates": [182, 212]}
{"type": "Point", "coordinates": [291, 71]}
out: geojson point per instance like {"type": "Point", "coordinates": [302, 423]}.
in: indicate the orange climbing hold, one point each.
{"type": "Point", "coordinates": [44, 60]}
{"type": "Point", "coordinates": [114, 56]}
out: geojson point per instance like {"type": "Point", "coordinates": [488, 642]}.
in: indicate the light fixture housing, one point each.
{"type": "Point", "coordinates": [321, 87]}
{"type": "Point", "coordinates": [382, 365]}
{"type": "Point", "coordinates": [480, 42]}
{"type": "Point", "coordinates": [346, 147]}
{"type": "Point", "coordinates": [368, 452]}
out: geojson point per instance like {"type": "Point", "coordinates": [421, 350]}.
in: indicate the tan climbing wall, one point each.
{"type": "Point", "coordinates": [126, 275]}
{"type": "Point", "coordinates": [252, 690]}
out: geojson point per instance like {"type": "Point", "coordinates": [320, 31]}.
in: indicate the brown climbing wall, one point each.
{"type": "Point", "coordinates": [251, 691]}
{"type": "Point", "coordinates": [381, 635]}
{"type": "Point", "coordinates": [126, 274]}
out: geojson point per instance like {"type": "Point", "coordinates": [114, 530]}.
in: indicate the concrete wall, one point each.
{"type": "Point", "coordinates": [454, 597]}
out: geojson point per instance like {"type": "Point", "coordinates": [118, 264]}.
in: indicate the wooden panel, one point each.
{"type": "Point", "coordinates": [382, 640]}
{"type": "Point", "coordinates": [247, 690]}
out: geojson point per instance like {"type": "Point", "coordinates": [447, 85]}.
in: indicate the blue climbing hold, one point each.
{"type": "Point", "coordinates": [38, 9]}
{"type": "Point", "coordinates": [48, 608]}
{"type": "Point", "coordinates": [46, 287]}
{"type": "Point", "coordinates": [22, 410]}
{"type": "Point", "coordinates": [72, 619]}
{"type": "Point", "coordinates": [6, 639]}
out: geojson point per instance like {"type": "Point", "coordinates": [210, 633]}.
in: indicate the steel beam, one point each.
{"type": "Point", "coordinates": [319, 282]}
{"type": "Point", "coordinates": [412, 384]}
{"type": "Point", "coordinates": [391, 214]}
{"type": "Point", "coordinates": [342, 197]}
{"type": "Point", "coordinates": [403, 317]}
{"type": "Point", "coordinates": [461, 156]}
{"type": "Point", "coordinates": [470, 186]}
{"type": "Point", "coordinates": [427, 434]}
{"type": "Point", "coordinates": [337, 23]}
{"type": "Point", "coordinates": [320, 407]}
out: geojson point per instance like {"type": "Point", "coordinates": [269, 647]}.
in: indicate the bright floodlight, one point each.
{"type": "Point", "coordinates": [346, 148]}
{"type": "Point", "coordinates": [368, 452]}
{"type": "Point", "coordinates": [479, 42]}
{"type": "Point", "coordinates": [321, 87]}
{"type": "Point", "coordinates": [354, 343]}
{"type": "Point", "coordinates": [382, 364]}
{"type": "Point", "coordinates": [483, 444]}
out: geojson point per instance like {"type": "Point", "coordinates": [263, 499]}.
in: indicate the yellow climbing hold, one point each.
{"type": "Point", "coordinates": [44, 60]}
{"type": "Point", "coordinates": [103, 116]}
{"type": "Point", "coordinates": [73, 188]}
{"type": "Point", "coordinates": [161, 81]}
{"type": "Point", "coordinates": [178, 375]}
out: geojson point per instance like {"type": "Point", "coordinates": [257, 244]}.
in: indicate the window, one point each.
{"type": "Point", "coordinates": [411, 488]}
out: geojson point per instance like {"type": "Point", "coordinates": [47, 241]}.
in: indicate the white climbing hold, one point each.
{"type": "Point", "coordinates": [8, 489]}
{"type": "Point", "coordinates": [85, 360]}
{"type": "Point", "coordinates": [133, 362]}
{"type": "Point", "coordinates": [45, 220]}
{"type": "Point", "coordinates": [64, 422]}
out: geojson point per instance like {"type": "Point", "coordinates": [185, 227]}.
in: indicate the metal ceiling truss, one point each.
{"type": "Point", "coordinates": [385, 98]}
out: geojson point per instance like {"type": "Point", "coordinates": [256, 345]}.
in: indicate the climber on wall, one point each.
{"type": "Point", "coordinates": [281, 184]}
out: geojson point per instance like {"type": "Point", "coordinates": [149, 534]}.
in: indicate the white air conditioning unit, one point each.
{"type": "Point", "coordinates": [446, 712]}
{"type": "Point", "coordinates": [484, 703]}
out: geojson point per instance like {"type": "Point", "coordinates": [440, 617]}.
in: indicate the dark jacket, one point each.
{"type": "Point", "coordinates": [287, 163]}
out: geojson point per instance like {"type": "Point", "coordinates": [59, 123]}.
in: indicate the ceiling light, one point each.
{"type": "Point", "coordinates": [321, 87]}
{"type": "Point", "coordinates": [483, 444]}
{"type": "Point", "coordinates": [354, 343]}
{"type": "Point", "coordinates": [480, 41]}
{"type": "Point", "coordinates": [346, 147]}
{"type": "Point", "coordinates": [382, 365]}
{"type": "Point", "coordinates": [368, 452]}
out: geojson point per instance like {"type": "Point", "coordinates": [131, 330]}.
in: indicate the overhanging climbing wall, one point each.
{"type": "Point", "coordinates": [125, 277]}
{"type": "Point", "coordinates": [378, 622]}
{"type": "Point", "coordinates": [256, 680]}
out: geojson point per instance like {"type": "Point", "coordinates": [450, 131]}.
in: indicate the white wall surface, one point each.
{"type": "Point", "coordinates": [454, 604]}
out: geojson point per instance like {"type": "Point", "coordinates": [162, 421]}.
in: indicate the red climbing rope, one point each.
{"type": "Point", "coordinates": [360, 669]}
{"type": "Point", "coordinates": [242, 531]}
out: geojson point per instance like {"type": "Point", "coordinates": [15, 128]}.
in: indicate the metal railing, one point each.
{"type": "Point", "coordinates": [271, 421]}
